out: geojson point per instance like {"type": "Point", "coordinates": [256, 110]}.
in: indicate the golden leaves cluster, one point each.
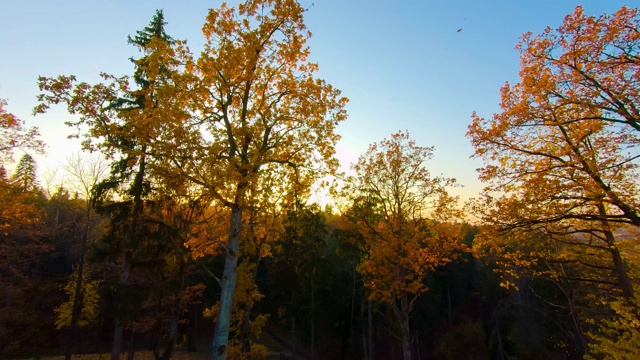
{"type": "Point", "coordinates": [248, 114]}
{"type": "Point", "coordinates": [246, 295]}
{"type": "Point", "coordinates": [407, 221]}
{"type": "Point", "coordinates": [565, 142]}
{"type": "Point", "coordinates": [90, 301]}
{"type": "Point", "coordinates": [561, 160]}
{"type": "Point", "coordinates": [14, 135]}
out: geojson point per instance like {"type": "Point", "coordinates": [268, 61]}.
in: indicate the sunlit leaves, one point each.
{"type": "Point", "coordinates": [561, 160]}
{"type": "Point", "coordinates": [90, 301]}
{"type": "Point", "coordinates": [405, 216]}
{"type": "Point", "coordinates": [258, 101]}
{"type": "Point", "coordinates": [14, 135]}
{"type": "Point", "coordinates": [570, 125]}
{"type": "Point", "coordinates": [246, 126]}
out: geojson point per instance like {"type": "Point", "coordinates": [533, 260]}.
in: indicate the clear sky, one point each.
{"type": "Point", "coordinates": [417, 65]}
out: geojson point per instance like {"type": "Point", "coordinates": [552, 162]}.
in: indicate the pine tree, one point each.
{"type": "Point", "coordinates": [142, 40]}
{"type": "Point", "coordinates": [25, 175]}
{"type": "Point", "coordinates": [130, 174]}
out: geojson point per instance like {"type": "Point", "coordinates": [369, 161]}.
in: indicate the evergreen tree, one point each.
{"type": "Point", "coordinates": [133, 199]}
{"type": "Point", "coordinates": [143, 38]}
{"type": "Point", "coordinates": [25, 175]}
{"type": "Point", "coordinates": [134, 232]}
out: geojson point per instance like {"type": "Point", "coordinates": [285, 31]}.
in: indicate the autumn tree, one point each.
{"type": "Point", "coordinates": [23, 245]}
{"type": "Point", "coordinates": [408, 226]}
{"type": "Point", "coordinates": [122, 121]}
{"type": "Point", "coordinates": [250, 100]}
{"type": "Point", "coordinates": [256, 102]}
{"type": "Point", "coordinates": [561, 158]}
{"type": "Point", "coordinates": [20, 210]}
{"type": "Point", "coordinates": [21, 203]}
{"type": "Point", "coordinates": [14, 135]}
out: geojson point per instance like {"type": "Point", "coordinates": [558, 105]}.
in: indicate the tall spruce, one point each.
{"type": "Point", "coordinates": [130, 176]}
{"type": "Point", "coordinates": [25, 176]}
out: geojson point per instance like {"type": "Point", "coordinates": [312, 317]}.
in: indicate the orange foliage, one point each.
{"type": "Point", "coordinates": [13, 134]}
{"type": "Point", "coordinates": [408, 224]}
{"type": "Point", "coordinates": [561, 158]}
{"type": "Point", "coordinates": [248, 115]}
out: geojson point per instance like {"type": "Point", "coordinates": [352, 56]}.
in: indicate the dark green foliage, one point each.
{"type": "Point", "coordinates": [25, 175]}
{"type": "Point", "coordinates": [155, 29]}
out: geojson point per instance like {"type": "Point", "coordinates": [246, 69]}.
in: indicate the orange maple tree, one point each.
{"type": "Point", "coordinates": [561, 158]}
{"type": "Point", "coordinates": [407, 220]}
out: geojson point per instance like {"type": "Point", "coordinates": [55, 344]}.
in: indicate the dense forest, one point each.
{"type": "Point", "coordinates": [186, 225]}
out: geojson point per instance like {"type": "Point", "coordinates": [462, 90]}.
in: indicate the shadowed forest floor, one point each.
{"type": "Point", "coordinates": [276, 344]}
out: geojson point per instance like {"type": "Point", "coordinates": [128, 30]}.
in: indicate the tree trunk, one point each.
{"type": "Point", "coordinates": [293, 327]}
{"type": "Point", "coordinates": [370, 328]}
{"type": "Point", "coordinates": [579, 331]}
{"type": "Point", "coordinates": [193, 333]}
{"type": "Point", "coordinates": [156, 332]}
{"type": "Point", "coordinates": [495, 317]}
{"type": "Point", "coordinates": [173, 336]}
{"type": "Point", "coordinates": [402, 315]}
{"type": "Point", "coordinates": [449, 305]}
{"type": "Point", "coordinates": [77, 305]}
{"type": "Point", "coordinates": [313, 325]}
{"type": "Point", "coordinates": [79, 294]}
{"type": "Point", "coordinates": [618, 262]}
{"type": "Point", "coordinates": [117, 340]}
{"type": "Point", "coordinates": [348, 342]}
{"type": "Point", "coordinates": [246, 328]}
{"type": "Point", "coordinates": [132, 346]}
{"type": "Point", "coordinates": [228, 286]}
{"type": "Point", "coordinates": [406, 338]}
{"type": "Point", "coordinates": [116, 348]}
{"type": "Point", "coordinates": [363, 331]}
{"type": "Point", "coordinates": [621, 271]}
{"type": "Point", "coordinates": [165, 354]}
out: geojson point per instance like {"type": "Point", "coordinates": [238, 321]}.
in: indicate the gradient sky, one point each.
{"type": "Point", "coordinates": [417, 65]}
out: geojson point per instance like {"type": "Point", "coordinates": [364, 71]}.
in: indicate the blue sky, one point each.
{"type": "Point", "coordinates": [403, 64]}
